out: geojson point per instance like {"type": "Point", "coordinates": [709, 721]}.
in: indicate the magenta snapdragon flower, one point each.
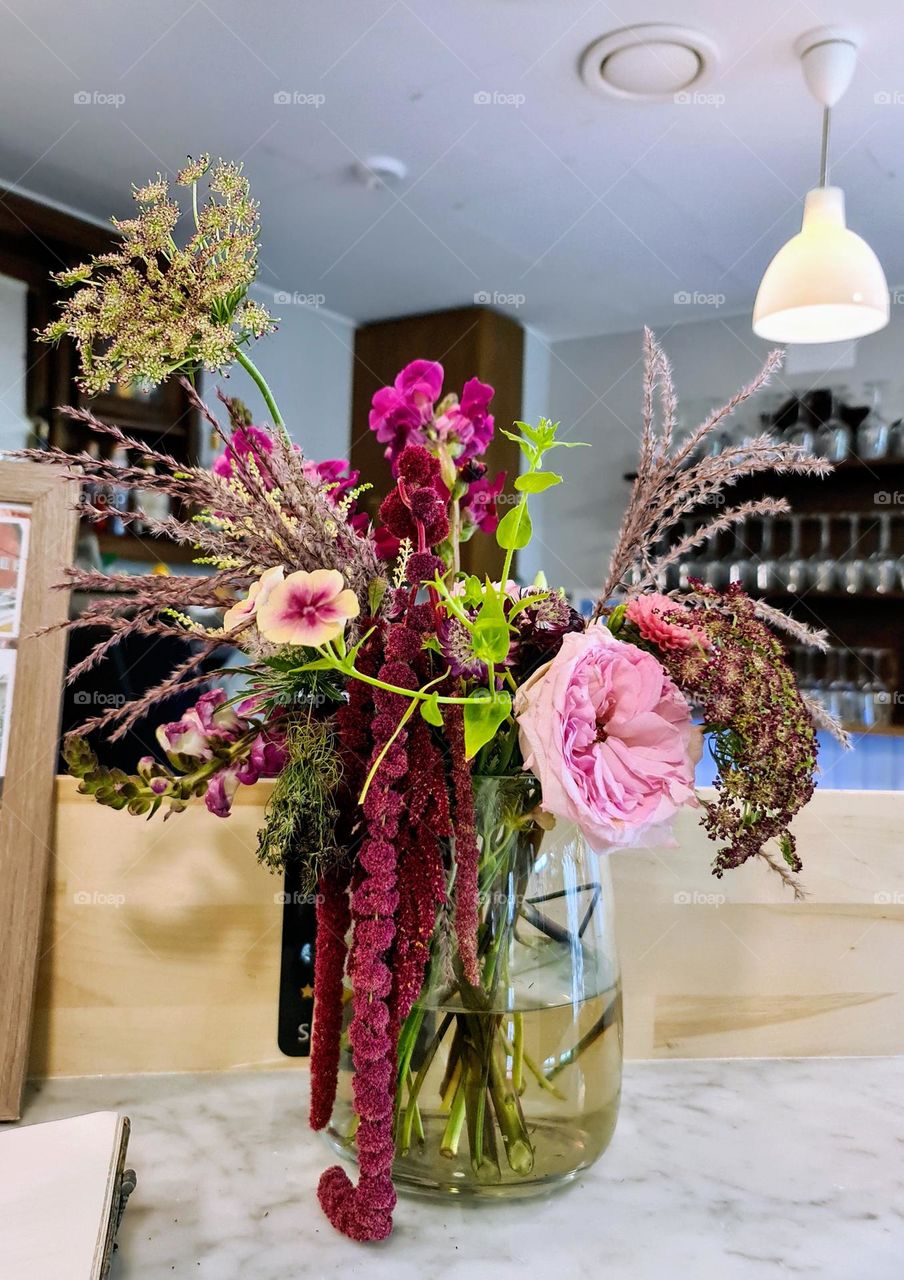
{"type": "Point", "coordinates": [467, 426]}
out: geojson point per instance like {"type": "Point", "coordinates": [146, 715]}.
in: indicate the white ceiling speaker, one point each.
{"type": "Point", "coordinates": [825, 284]}
{"type": "Point", "coordinates": [647, 63]}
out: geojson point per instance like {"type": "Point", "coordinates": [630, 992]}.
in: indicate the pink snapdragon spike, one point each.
{"type": "Point", "coordinates": [467, 426]}
{"type": "Point", "coordinates": [307, 609]}
{"type": "Point", "coordinates": [244, 443]}
{"type": "Point", "coordinates": [204, 725]}
{"type": "Point", "coordinates": [478, 507]}
{"type": "Point", "coordinates": [665, 623]}
{"type": "Point", "coordinates": [258, 594]}
{"type": "Point", "coordinates": [400, 413]}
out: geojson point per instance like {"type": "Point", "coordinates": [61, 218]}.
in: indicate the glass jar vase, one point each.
{"type": "Point", "coordinates": [510, 1086]}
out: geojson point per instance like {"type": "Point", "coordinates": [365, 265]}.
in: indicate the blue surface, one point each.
{"type": "Point", "coordinates": [875, 763]}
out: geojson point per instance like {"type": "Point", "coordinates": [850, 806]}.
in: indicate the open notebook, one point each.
{"type": "Point", "coordinates": [63, 1186]}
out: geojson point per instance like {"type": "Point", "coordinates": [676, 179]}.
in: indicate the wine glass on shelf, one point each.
{"type": "Point", "coordinates": [715, 568]}
{"type": "Point", "coordinates": [802, 431]}
{"type": "Point", "coordinates": [824, 570]}
{"type": "Point", "coordinates": [793, 569]}
{"type": "Point", "coordinates": [880, 692]}
{"type": "Point", "coordinates": [852, 566]}
{"type": "Point", "coordinates": [882, 567]}
{"type": "Point", "coordinates": [692, 566]}
{"type": "Point", "coordinates": [766, 575]}
{"type": "Point", "coordinates": [873, 430]}
{"type": "Point", "coordinates": [833, 435]}
{"type": "Point", "coordinates": [741, 567]}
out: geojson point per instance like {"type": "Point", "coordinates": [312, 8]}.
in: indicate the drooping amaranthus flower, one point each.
{"type": "Point", "coordinates": [149, 308]}
{"type": "Point", "coordinates": [762, 735]}
{"type": "Point", "coordinates": [364, 1211]}
{"type": "Point", "coordinates": [333, 918]}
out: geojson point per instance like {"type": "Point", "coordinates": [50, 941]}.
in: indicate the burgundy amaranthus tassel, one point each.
{"type": "Point", "coordinates": [329, 965]}
{"type": "Point", "coordinates": [364, 1212]}
{"type": "Point", "coordinates": [467, 853]}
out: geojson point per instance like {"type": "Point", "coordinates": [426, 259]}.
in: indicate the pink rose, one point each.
{"type": "Point", "coordinates": [610, 738]}
{"type": "Point", "coordinates": [648, 613]}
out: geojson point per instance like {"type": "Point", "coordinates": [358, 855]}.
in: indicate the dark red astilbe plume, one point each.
{"type": "Point", "coordinates": [467, 853]}
{"type": "Point", "coordinates": [329, 965]}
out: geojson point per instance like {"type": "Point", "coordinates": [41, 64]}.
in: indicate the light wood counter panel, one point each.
{"type": "Point", "coordinates": [162, 939]}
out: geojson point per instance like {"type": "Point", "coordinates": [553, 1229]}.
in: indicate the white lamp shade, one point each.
{"type": "Point", "coordinates": [825, 284]}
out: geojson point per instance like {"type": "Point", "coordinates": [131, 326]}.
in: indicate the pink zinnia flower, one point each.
{"type": "Point", "coordinates": [610, 738]}
{"type": "Point", "coordinates": [307, 609]}
{"type": "Point", "coordinates": [660, 620]}
{"type": "Point", "coordinates": [258, 594]}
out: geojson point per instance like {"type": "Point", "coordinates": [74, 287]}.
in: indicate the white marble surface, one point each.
{"type": "Point", "coordinates": [723, 1170]}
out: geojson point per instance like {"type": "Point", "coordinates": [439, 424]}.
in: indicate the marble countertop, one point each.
{"type": "Point", "coordinates": [719, 1170]}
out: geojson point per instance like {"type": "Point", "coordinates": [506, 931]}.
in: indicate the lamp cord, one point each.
{"type": "Point", "coordinates": [824, 152]}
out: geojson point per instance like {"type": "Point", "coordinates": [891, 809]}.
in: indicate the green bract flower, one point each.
{"type": "Point", "coordinates": [150, 308]}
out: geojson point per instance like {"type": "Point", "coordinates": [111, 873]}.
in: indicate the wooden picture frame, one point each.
{"type": "Point", "coordinates": [31, 736]}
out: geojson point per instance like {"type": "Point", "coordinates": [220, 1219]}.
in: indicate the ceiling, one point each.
{"type": "Point", "coordinates": [577, 213]}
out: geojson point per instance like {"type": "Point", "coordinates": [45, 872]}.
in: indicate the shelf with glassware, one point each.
{"type": "Point", "coordinates": [837, 561]}
{"type": "Point", "coordinates": [164, 419]}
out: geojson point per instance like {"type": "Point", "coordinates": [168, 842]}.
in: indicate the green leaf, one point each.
{"type": "Point", "coordinates": [431, 712]}
{"type": "Point", "coordinates": [375, 593]}
{"type": "Point", "coordinates": [530, 451]}
{"type": "Point", "coordinates": [490, 635]}
{"type": "Point", "coordinates": [483, 715]}
{"type": "Point", "coordinates": [515, 529]}
{"type": "Point", "coordinates": [318, 664]}
{"type": "Point", "coordinates": [569, 444]}
{"type": "Point", "coordinates": [537, 481]}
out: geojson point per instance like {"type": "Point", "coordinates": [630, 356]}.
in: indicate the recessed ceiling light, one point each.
{"type": "Point", "coordinates": [647, 63]}
{"type": "Point", "coordinates": [380, 171]}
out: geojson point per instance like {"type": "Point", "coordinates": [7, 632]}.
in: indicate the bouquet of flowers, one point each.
{"type": "Point", "coordinates": [384, 685]}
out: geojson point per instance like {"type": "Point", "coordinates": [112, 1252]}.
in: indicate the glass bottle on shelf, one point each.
{"type": "Point", "coordinates": [824, 568]}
